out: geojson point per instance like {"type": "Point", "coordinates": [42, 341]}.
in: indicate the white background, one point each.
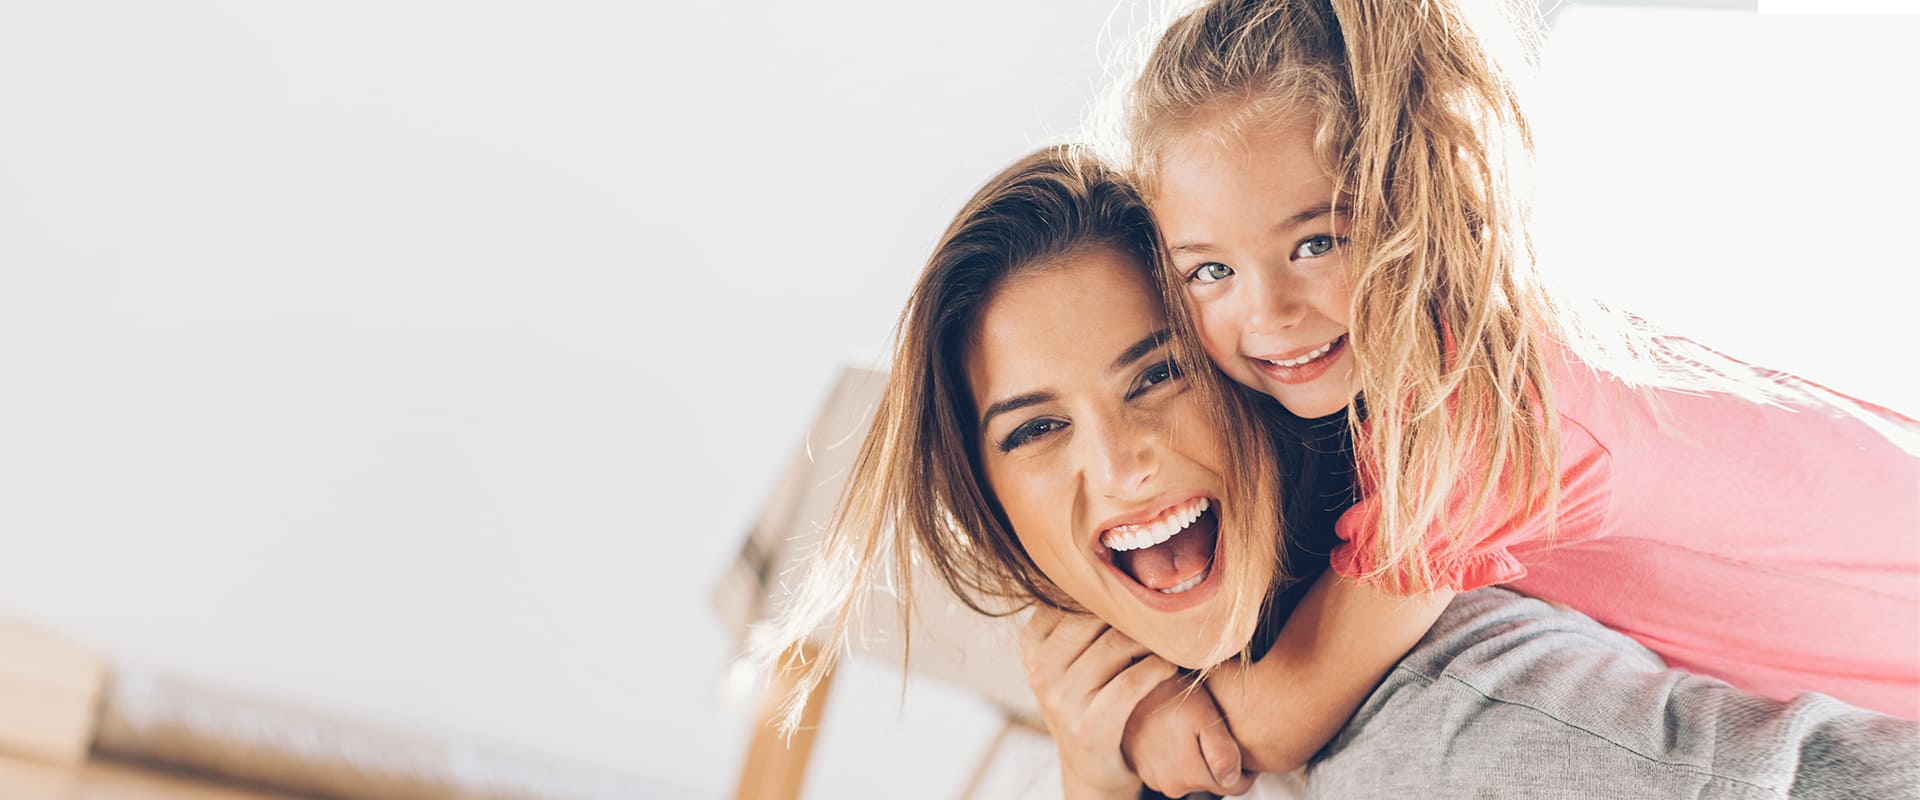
{"type": "Point", "coordinates": [425, 361]}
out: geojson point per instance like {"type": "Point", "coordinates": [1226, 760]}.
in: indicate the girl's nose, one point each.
{"type": "Point", "coordinates": [1269, 302]}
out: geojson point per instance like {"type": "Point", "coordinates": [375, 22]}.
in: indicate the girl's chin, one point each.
{"type": "Point", "coordinates": [1312, 405]}
{"type": "Point", "coordinates": [1329, 394]}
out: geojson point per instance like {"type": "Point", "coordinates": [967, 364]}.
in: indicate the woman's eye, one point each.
{"type": "Point", "coordinates": [1028, 431]}
{"type": "Point", "coordinates": [1316, 246]}
{"type": "Point", "coordinates": [1210, 272]}
{"type": "Point", "coordinates": [1155, 375]}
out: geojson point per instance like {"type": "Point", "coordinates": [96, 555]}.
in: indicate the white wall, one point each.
{"type": "Point", "coordinates": [426, 360]}
{"type": "Point", "coordinates": [1746, 179]}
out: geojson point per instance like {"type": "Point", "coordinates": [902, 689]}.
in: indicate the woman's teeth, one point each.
{"type": "Point", "coordinates": [1188, 583]}
{"type": "Point", "coordinates": [1295, 362]}
{"type": "Point", "coordinates": [1148, 534]}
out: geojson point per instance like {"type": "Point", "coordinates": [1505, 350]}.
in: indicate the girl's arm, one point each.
{"type": "Point", "coordinates": [1331, 653]}
{"type": "Point", "coordinates": [1179, 743]}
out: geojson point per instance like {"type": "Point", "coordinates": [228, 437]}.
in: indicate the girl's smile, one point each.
{"type": "Point", "coordinates": [1303, 368]}
{"type": "Point", "coordinates": [1255, 229]}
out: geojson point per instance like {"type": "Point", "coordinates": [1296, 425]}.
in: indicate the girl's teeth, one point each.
{"type": "Point", "coordinates": [1138, 537]}
{"type": "Point", "coordinates": [1306, 358]}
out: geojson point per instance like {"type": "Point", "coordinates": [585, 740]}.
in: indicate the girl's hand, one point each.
{"type": "Point", "coordinates": [1179, 744]}
{"type": "Point", "coordinates": [1088, 678]}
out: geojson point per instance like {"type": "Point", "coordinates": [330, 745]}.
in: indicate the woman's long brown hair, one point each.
{"type": "Point", "coordinates": [917, 493]}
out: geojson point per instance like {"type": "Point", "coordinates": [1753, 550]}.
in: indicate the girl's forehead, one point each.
{"type": "Point", "coordinates": [1268, 177]}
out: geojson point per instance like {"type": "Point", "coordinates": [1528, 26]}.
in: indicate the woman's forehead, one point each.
{"type": "Point", "coordinates": [1068, 320]}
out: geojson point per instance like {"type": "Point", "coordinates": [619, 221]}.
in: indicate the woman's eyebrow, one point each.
{"type": "Point", "coordinates": [1139, 348]}
{"type": "Point", "coordinates": [1014, 403]}
{"type": "Point", "coordinates": [1134, 352]}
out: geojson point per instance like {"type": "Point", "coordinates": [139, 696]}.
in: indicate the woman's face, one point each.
{"type": "Point", "coordinates": [1106, 465]}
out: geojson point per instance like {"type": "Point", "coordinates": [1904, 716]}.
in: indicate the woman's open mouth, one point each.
{"type": "Point", "coordinates": [1167, 558]}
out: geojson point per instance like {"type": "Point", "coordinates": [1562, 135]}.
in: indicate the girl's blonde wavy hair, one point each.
{"type": "Point", "coordinates": [1420, 125]}
{"type": "Point", "coordinates": [917, 491]}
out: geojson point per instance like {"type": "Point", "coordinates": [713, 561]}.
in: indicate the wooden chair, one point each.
{"type": "Point", "coordinates": [951, 643]}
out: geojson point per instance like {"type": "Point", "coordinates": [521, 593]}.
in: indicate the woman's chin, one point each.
{"type": "Point", "coordinates": [1202, 635]}
{"type": "Point", "coordinates": [1202, 646]}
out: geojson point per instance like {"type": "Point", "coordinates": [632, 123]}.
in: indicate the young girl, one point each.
{"type": "Point", "coordinates": [1332, 181]}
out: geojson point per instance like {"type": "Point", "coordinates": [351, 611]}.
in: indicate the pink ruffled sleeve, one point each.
{"type": "Point", "coordinates": [1484, 552]}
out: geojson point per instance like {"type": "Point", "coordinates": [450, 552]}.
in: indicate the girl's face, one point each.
{"type": "Point", "coordinates": [1256, 236]}
{"type": "Point", "coordinates": [1106, 465]}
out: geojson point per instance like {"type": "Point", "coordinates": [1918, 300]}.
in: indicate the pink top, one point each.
{"type": "Point", "coordinates": [1776, 548]}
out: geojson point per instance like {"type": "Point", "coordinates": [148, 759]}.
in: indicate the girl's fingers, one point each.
{"type": "Point", "coordinates": [1241, 786]}
{"type": "Point", "coordinates": [1103, 659]}
{"type": "Point", "coordinates": [1222, 756]}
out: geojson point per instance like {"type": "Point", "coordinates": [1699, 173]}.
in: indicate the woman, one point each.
{"type": "Point", "coordinates": [1041, 429]}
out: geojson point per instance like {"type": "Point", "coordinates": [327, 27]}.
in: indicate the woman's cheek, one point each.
{"type": "Point", "coordinates": [1034, 508]}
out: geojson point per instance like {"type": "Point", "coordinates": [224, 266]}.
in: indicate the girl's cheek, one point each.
{"type": "Point", "coordinates": [1220, 338]}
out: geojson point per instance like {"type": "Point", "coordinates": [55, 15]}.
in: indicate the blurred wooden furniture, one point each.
{"type": "Point", "coordinates": [108, 779]}
{"type": "Point", "coordinates": [776, 767]}
{"type": "Point", "coordinates": [951, 643]}
{"type": "Point", "coordinates": [71, 729]}
{"type": "Point", "coordinates": [49, 695]}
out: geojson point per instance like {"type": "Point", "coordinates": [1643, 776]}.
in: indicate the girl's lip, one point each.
{"type": "Point", "coordinates": [1305, 372]}
{"type": "Point", "coordinates": [1298, 352]}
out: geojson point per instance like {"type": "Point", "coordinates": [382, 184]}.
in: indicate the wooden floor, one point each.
{"type": "Point", "coordinates": [112, 780]}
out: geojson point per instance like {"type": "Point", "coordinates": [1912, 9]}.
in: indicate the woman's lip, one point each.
{"type": "Point", "coordinates": [1305, 372]}
{"type": "Point", "coordinates": [1168, 603]}
{"type": "Point", "coordinates": [1159, 506]}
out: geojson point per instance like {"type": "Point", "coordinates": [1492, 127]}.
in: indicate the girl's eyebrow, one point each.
{"type": "Point", "coordinates": [1309, 214]}
{"type": "Point", "coordinates": [1306, 215]}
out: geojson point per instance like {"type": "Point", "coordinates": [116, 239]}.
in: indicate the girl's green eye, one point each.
{"type": "Point", "coordinates": [1210, 272]}
{"type": "Point", "coordinates": [1316, 246]}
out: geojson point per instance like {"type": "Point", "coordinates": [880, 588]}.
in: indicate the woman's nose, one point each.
{"type": "Point", "coordinates": [1124, 460]}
